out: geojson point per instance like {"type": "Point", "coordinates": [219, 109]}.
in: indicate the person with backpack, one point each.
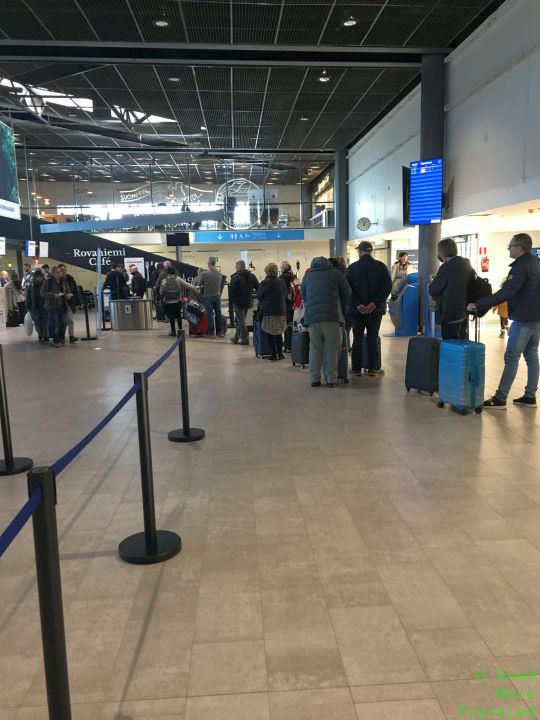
{"type": "Point", "coordinates": [522, 292]}
{"type": "Point", "coordinates": [451, 288]}
{"type": "Point", "coordinates": [241, 288]}
{"type": "Point", "coordinates": [172, 290]}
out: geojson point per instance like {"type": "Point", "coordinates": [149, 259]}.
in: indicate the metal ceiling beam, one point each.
{"type": "Point", "coordinates": [214, 54]}
{"type": "Point", "coordinates": [181, 150]}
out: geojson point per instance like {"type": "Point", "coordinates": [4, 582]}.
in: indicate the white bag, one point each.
{"type": "Point", "coordinates": [28, 324]}
{"type": "Point", "coordinates": [298, 314]}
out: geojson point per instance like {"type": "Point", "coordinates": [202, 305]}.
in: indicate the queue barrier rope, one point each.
{"type": "Point", "coordinates": [20, 519]}
{"type": "Point", "coordinates": [26, 512]}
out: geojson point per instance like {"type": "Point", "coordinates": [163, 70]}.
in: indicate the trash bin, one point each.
{"type": "Point", "coordinates": [131, 314]}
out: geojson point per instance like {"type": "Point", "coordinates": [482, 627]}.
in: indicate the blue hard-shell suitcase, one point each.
{"type": "Point", "coordinates": [261, 342]}
{"type": "Point", "coordinates": [461, 375]}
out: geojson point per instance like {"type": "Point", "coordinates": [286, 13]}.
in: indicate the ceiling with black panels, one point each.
{"type": "Point", "coordinates": [219, 107]}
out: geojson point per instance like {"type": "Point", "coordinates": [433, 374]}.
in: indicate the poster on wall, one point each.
{"type": "Point", "coordinates": [9, 192]}
{"type": "Point", "coordinates": [138, 261]}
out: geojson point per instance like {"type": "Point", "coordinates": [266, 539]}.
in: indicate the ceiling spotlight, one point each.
{"type": "Point", "coordinates": [161, 23]}
{"type": "Point", "coordinates": [349, 22]}
{"type": "Point", "coordinates": [174, 79]}
{"type": "Point", "coordinates": [203, 128]}
{"type": "Point", "coordinates": [324, 77]}
{"type": "Point", "coordinates": [304, 118]}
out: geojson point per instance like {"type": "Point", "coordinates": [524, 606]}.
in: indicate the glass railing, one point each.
{"type": "Point", "coordinates": [237, 217]}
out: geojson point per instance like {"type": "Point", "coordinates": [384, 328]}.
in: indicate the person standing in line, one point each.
{"type": "Point", "coordinates": [272, 295]}
{"type": "Point", "coordinates": [522, 292]}
{"type": "Point", "coordinates": [16, 304]}
{"type": "Point", "coordinates": [55, 292]}
{"type": "Point", "coordinates": [324, 291]}
{"type": "Point", "coordinates": [241, 288]}
{"type": "Point", "coordinates": [116, 282]}
{"type": "Point", "coordinates": [172, 290]}
{"type": "Point", "coordinates": [27, 275]}
{"type": "Point", "coordinates": [35, 304]}
{"type": "Point", "coordinates": [210, 283]}
{"type": "Point", "coordinates": [450, 289]}
{"type": "Point", "coordinates": [72, 303]}
{"type": "Point", "coordinates": [370, 284]}
{"type": "Point", "coordinates": [400, 269]}
{"type": "Point", "coordinates": [46, 271]}
{"type": "Point", "coordinates": [138, 283]}
{"type": "Point", "coordinates": [502, 312]}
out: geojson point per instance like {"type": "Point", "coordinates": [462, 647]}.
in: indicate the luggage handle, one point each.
{"type": "Point", "coordinates": [476, 327]}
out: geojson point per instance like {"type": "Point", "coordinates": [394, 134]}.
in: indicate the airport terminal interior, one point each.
{"type": "Point", "coordinates": [350, 551]}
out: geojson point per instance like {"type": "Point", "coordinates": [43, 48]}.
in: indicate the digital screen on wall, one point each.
{"type": "Point", "coordinates": [426, 190]}
{"type": "Point", "coordinates": [9, 192]}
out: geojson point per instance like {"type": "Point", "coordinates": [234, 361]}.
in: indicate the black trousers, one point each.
{"type": "Point", "coordinates": [372, 324]}
{"type": "Point", "coordinates": [455, 331]}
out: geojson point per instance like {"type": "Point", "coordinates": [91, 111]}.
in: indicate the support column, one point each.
{"type": "Point", "coordinates": [431, 146]}
{"type": "Point", "coordinates": [341, 202]}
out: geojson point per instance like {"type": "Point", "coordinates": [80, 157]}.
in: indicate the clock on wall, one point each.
{"type": "Point", "coordinates": [363, 224]}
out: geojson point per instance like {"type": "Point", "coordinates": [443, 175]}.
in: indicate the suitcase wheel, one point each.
{"type": "Point", "coordinates": [440, 404]}
{"type": "Point", "coordinates": [478, 410]}
{"type": "Point", "coordinates": [294, 364]}
{"type": "Point", "coordinates": [464, 411]}
{"type": "Point", "coordinates": [408, 388]}
{"type": "Point", "coordinates": [303, 366]}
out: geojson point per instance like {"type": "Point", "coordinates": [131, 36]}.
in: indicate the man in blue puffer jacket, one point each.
{"type": "Point", "coordinates": [324, 291]}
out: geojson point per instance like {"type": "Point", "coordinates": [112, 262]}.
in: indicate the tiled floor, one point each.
{"type": "Point", "coordinates": [353, 553]}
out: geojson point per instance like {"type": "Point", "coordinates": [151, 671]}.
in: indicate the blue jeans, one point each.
{"type": "Point", "coordinates": [213, 303]}
{"type": "Point", "coordinates": [523, 340]}
{"type": "Point", "coordinates": [58, 321]}
{"type": "Point", "coordinates": [41, 322]}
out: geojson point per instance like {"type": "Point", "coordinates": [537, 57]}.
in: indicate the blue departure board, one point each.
{"type": "Point", "coordinates": [426, 192]}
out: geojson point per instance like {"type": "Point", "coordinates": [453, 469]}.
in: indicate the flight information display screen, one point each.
{"type": "Point", "coordinates": [426, 192]}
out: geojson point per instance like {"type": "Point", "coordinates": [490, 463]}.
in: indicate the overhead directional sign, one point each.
{"type": "Point", "coordinates": [223, 236]}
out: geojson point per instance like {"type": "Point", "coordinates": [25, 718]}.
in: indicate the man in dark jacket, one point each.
{"type": "Point", "coordinates": [324, 291]}
{"type": "Point", "coordinates": [116, 282]}
{"type": "Point", "coordinates": [371, 285]}
{"type": "Point", "coordinates": [73, 302]}
{"type": "Point", "coordinates": [241, 288]}
{"type": "Point", "coordinates": [450, 288]}
{"type": "Point", "coordinates": [138, 283]}
{"type": "Point", "coordinates": [522, 292]}
{"type": "Point", "coordinates": [56, 294]}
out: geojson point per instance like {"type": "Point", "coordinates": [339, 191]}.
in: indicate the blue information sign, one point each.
{"type": "Point", "coordinates": [426, 192]}
{"type": "Point", "coordinates": [222, 236]}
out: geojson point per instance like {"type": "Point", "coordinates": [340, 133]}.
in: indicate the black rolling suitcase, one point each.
{"type": "Point", "coordinates": [422, 370]}
{"type": "Point", "coordinates": [300, 348]}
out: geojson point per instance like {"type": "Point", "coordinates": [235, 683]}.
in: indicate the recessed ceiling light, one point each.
{"type": "Point", "coordinates": [324, 77]}
{"type": "Point", "coordinates": [203, 128]}
{"type": "Point", "coordinates": [161, 23]}
{"type": "Point", "coordinates": [350, 22]}
{"type": "Point", "coordinates": [52, 180]}
{"type": "Point", "coordinates": [304, 118]}
{"type": "Point", "coordinates": [89, 192]}
{"type": "Point", "coordinates": [174, 79]}
{"type": "Point", "coordinates": [117, 181]}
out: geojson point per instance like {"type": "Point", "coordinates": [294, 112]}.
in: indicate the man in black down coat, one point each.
{"type": "Point", "coordinates": [450, 288]}
{"type": "Point", "coordinates": [371, 284]}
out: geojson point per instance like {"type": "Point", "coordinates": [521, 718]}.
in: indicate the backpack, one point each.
{"type": "Point", "coordinates": [479, 288]}
{"type": "Point", "coordinates": [171, 291]}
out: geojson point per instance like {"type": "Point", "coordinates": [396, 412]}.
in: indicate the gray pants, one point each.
{"type": "Point", "coordinates": [324, 339]}
{"type": "Point", "coordinates": [241, 327]}
{"type": "Point", "coordinates": [71, 325]}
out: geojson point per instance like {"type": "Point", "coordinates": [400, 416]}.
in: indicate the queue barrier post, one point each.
{"type": "Point", "coordinates": [150, 546]}
{"type": "Point", "coordinates": [186, 433]}
{"type": "Point", "coordinates": [85, 306]}
{"type": "Point", "coordinates": [9, 465]}
{"type": "Point", "coordinates": [50, 594]}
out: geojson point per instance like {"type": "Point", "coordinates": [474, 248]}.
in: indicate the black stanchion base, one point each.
{"type": "Point", "coordinates": [133, 548]}
{"type": "Point", "coordinates": [86, 339]}
{"type": "Point", "coordinates": [20, 465]}
{"type": "Point", "coordinates": [182, 436]}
